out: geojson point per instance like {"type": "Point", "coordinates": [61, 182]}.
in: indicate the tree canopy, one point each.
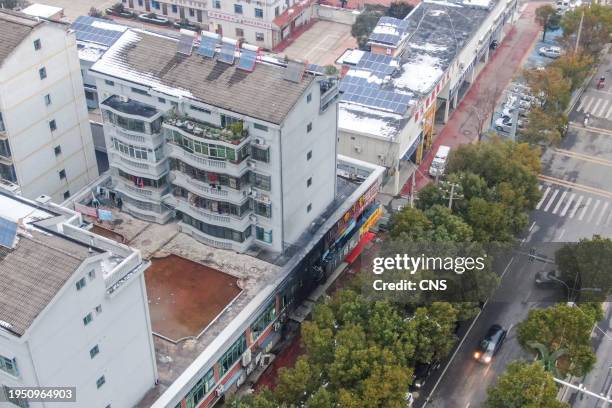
{"type": "Point", "coordinates": [596, 27]}
{"type": "Point", "coordinates": [561, 327]}
{"type": "Point", "coordinates": [525, 385]}
{"type": "Point", "coordinates": [399, 9]}
{"type": "Point", "coordinates": [365, 23]}
{"type": "Point", "coordinates": [548, 18]}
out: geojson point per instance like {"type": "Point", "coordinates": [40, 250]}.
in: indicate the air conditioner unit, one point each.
{"type": "Point", "coordinates": [253, 218]}
{"type": "Point", "coordinates": [246, 358]}
{"type": "Point", "coordinates": [358, 149]}
{"type": "Point", "coordinates": [251, 164]}
{"type": "Point", "coordinates": [381, 156]}
{"type": "Point", "coordinates": [219, 391]}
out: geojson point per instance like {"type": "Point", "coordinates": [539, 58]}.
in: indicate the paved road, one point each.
{"type": "Point", "coordinates": [576, 185]}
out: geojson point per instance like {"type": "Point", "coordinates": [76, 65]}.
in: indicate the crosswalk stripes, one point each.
{"type": "Point", "coordinates": [597, 106]}
{"type": "Point", "coordinates": [562, 202]}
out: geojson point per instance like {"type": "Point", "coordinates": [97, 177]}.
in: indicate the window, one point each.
{"type": "Point", "coordinates": [8, 365]}
{"type": "Point", "coordinates": [155, 4]}
{"type": "Point", "coordinates": [37, 44]}
{"type": "Point", "coordinates": [259, 154]}
{"type": "Point", "coordinates": [217, 4]}
{"type": "Point", "coordinates": [238, 8]}
{"type": "Point", "coordinates": [262, 209]}
{"type": "Point", "coordinates": [260, 127]}
{"type": "Point", "coordinates": [239, 32]}
{"type": "Point", "coordinates": [140, 3]}
{"type": "Point", "coordinates": [47, 99]}
{"type": "Point", "coordinates": [53, 125]}
{"type": "Point", "coordinates": [263, 320]}
{"type": "Point", "coordinates": [276, 11]}
{"type": "Point", "coordinates": [308, 98]}
{"type": "Point", "coordinates": [191, 12]}
{"type": "Point", "coordinates": [258, 13]}
{"type": "Point", "coordinates": [139, 91]}
{"type": "Point", "coordinates": [265, 236]}
{"type": "Point", "coordinates": [130, 150]}
{"type": "Point", "coordinates": [260, 181]}
{"type": "Point", "coordinates": [42, 73]}
{"type": "Point", "coordinates": [259, 36]}
{"type": "Point", "coordinates": [197, 108]}
{"type": "Point", "coordinates": [100, 381]}
{"type": "Point", "coordinates": [309, 182]}
{"type": "Point", "coordinates": [309, 127]}
{"type": "Point", "coordinates": [161, 100]}
{"type": "Point", "coordinates": [174, 8]}
{"type": "Point", "coordinates": [62, 174]}
{"type": "Point", "coordinates": [94, 351]}
{"type": "Point", "coordinates": [92, 274]}
{"type": "Point", "coordinates": [309, 155]}
{"type": "Point", "coordinates": [110, 83]}
{"type": "Point", "coordinates": [202, 387]}
{"type": "Point", "coordinates": [98, 309]}
{"type": "Point", "coordinates": [66, 194]}
{"type": "Point", "coordinates": [87, 319]}
{"type": "Point", "coordinates": [57, 150]}
{"type": "Point", "coordinates": [232, 355]}
{"type": "Point", "coordinates": [80, 284]}
{"type": "Point", "coordinates": [309, 207]}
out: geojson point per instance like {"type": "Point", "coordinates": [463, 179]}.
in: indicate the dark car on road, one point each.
{"type": "Point", "coordinates": [422, 371]}
{"type": "Point", "coordinates": [490, 344]}
{"type": "Point", "coordinates": [548, 279]}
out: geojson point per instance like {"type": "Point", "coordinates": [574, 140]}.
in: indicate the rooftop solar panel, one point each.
{"type": "Point", "coordinates": [185, 44]}
{"type": "Point", "coordinates": [8, 232]}
{"type": "Point", "coordinates": [227, 53]}
{"type": "Point", "coordinates": [247, 60]}
{"type": "Point", "coordinates": [97, 30]}
{"type": "Point", "coordinates": [294, 71]}
{"type": "Point", "coordinates": [208, 45]}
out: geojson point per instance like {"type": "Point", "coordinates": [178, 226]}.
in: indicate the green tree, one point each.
{"type": "Point", "coordinates": [434, 327]}
{"type": "Point", "coordinates": [575, 67]}
{"type": "Point", "coordinates": [547, 17]}
{"type": "Point", "coordinates": [586, 267]}
{"type": "Point", "coordinates": [596, 27]}
{"type": "Point", "coordinates": [548, 359]}
{"type": "Point", "coordinates": [524, 385]}
{"type": "Point", "coordinates": [435, 224]}
{"type": "Point", "coordinates": [399, 9]}
{"type": "Point", "coordinates": [551, 84]}
{"type": "Point", "coordinates": [561, 327]}
{"type": "Point", "coordinates": [295, 385]}
{"type": "Point", "coordinates": [542, 127]}
{"type": "Point", "coordinates": [365, 23]}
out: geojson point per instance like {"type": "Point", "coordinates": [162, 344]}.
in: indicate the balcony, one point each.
{"type": "Point", "coordinates": [124, 106]}
{"type": "Point", "coordinates": [213, 241]}
{"type": "Point", "coordinates": [204, 163]}
{"type": "Point", "coordinates": [329, 93]}
{"type": "Point", "coordinates": [225, 220]}
{"type": "Point", "coordinates": [131, 137]}
{"type": "Point", "coordinates": [202, 188]}
{"type": "Point", "coordinates": [150, 193]}
{"type": "Point", "coordinates": [137, 167]}
{"type": "Point", "coordinates": [233, 135]}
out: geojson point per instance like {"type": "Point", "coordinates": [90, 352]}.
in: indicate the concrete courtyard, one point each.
{"type": "Point", "coordinates": [322, 43]}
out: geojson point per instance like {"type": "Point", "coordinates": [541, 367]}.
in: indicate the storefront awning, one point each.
{"type": "Point", "coordinates": [367, 237]}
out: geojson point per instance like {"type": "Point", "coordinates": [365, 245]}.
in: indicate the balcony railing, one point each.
{"type": "Point", "coordinates": [203, 130]}
{"type": "Point", "coordinates": [202, 188]}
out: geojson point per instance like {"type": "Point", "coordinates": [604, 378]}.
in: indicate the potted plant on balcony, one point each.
{"type": "Point", "coordinates": [237, 132]}
{"type": "Point", "coordinates": [118, 9]}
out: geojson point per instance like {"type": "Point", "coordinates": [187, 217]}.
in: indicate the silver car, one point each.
{"type": "Point", "coordinates": [550, 52]}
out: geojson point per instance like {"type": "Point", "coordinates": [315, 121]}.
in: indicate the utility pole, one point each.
{"type": "Point", "coordinates": [450, 200]}
{"type": "Point", "coordinates": [412, 188]}
{"type": "Point", "coordinates": [579, 32]}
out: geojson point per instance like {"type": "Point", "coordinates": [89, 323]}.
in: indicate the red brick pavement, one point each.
{"type": "Point", "coordinates": [496, 75]}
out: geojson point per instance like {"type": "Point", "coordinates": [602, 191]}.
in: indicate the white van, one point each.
{"type": "Point", "coordinates": [438, 164]}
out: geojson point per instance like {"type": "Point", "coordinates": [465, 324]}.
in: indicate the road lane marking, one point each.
{"type": "Point", "coordinates": [591, 128]}
{"type": "Point", "coordinates": [609, 112]}
{"type": "Point", "coordinates": [561, 234]}
{"type": "Point", "coordinates": [594, 209]}
{"type": "Point", "coordinates": [609, 219]}
{"type": "Point", "coordinates": [575, 186]}
{"type": "Point", "coordinates": [569, 202]}
{"type": "Point", "coordinates": [582, 156]}
{"type": "Point", "coordinates": [552, 200]}
{"type": "Point", "coordinates": [596, 106]}
{"type": "Point", "coordinates": [586, 205]}
{"type": "Point", "coordinates": [582, 103]}
{"type": "Point", "coordinates": [602, 109]}
{"type": "Point", "coordinates": [576, 207]}
{"type": "Point", "coordinates": [603, 212]}
{"type": "Point", "coordinates": [543, 197]}
{"type": "Point", "coordinates": [559, 202]}
{"type": "Point", "coordinates": [591, 100]}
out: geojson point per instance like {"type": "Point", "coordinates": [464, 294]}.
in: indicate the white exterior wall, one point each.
{"type": "Point", "coordinates": [55, 350]}
{"type": "Point", "coordinates": [296, 142]}
{"type": "Point", "coordinates": [27, 117]}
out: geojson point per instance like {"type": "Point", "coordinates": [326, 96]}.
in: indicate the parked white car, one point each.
{"type": "Point", "coordinates": [550, 52]}
{"type": "Point", "coordinates": [504, 124]}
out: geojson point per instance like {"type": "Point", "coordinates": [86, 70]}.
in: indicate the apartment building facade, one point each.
{"type": "Point", "coordinates": [239, 157]}
{"type": "Point", "coordinates": [45, 139]}
{"type": "Point", "coordinates": [264, 23]}
{"type": "Point", "coordinates": [76, 313]}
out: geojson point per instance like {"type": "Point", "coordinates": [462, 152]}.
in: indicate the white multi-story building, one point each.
{"type": "Point", "coordinates": [241, 156]}
{"type": "Point", "coordinates": [264, 23]}
{"type": "Point", "coordinates": [73, 310]}
{"type": "Point", "coordinates": [45, 139]}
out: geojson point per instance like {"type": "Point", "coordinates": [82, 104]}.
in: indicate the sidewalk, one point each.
{"type": "Point", "coordinates": [496, 75]}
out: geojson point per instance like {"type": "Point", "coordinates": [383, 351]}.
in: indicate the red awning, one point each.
{"type": "Point", "coordinates": [367, 237]}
